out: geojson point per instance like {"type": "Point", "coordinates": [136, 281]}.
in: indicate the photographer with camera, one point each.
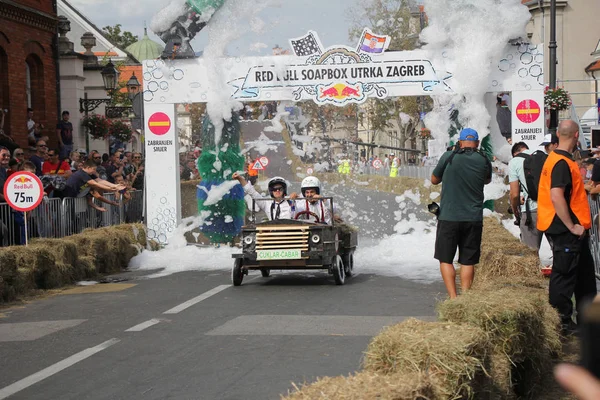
{"type": "Point", "coordinates": [464, 172]}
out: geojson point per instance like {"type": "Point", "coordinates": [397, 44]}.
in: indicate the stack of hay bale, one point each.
{"type": "Point", "coordinates": [496, 341]}
{"type": "Point", "coordinates": [52, 263]}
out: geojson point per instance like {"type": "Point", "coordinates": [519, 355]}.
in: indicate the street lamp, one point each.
{"type": "Point", "coordinates": [552, 46]}
{"type": "Point", "coordinates": [110, 77]}
{"type": "Point", "coordinates": [133, 89]}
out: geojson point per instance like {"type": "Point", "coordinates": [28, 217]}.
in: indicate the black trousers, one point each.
{"type": "Point", "coordinates": [572, 273]}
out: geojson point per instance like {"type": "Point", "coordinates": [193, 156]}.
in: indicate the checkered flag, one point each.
{"type": "Point", "coordinates": [306, 45]}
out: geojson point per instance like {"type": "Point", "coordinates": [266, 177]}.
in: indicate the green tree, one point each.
{"type": "Point", "coordinates": [121, 39]}
{"type": "Point", "coordinates": [392, 18]}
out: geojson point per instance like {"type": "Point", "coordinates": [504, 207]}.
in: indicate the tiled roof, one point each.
{"type": "Point", "coordinates": [595, 66]}
{"type": "Point", "coordinates": [125, 73]}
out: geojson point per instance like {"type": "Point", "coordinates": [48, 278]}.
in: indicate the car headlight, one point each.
{"type": "Point", "coordinates": [249, 239]}
{"type": "Point", "coordinates": [315, 238]}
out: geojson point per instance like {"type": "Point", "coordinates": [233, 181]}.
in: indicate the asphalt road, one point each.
{"type": "Point", "coordinates": [194, 336]}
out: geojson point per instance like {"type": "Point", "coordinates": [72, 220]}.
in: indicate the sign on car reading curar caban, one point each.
{"type": "Point", "coordinates": [293, 254]}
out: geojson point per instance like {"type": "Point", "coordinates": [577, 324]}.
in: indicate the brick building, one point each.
{"type": "Point", "coordinates": [28, 66]}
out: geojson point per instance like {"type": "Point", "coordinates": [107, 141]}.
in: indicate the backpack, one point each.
{"type": "Point", "coordinates": [532, 167]}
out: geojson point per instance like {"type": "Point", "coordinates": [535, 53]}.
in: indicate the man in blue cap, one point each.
{"type": "Point", "coordinates": [464, 171]}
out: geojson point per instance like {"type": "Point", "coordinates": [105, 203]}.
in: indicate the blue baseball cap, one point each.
{"type": "Point", "coordinates": [469, 134]}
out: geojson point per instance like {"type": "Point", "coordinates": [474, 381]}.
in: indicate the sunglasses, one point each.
{"type": "Point", "coordinates": [97, 158]}
{"type": "Point", "coordinates": [137, 158]}
{"type": "Point", "coordinates": [18, 154]}
{"type": "Point", "coordinates": [52, 155]}
{"type": "Point", "coordinates": [43, 146]}
{"type": "Point", "coordinates": [278, 189]}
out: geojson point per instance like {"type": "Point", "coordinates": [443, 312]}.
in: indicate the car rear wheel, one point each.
{"type": "Point", "coordinates": [349, 264]}
{"type": "Point", "coordinates": [265, 272]}
{"type": "Point", "coordinates": [237, 273]}
{"type": "Point", "coordinates": [338, 270]}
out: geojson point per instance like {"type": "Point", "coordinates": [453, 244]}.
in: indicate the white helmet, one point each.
{"type": "Point", "coordinates": [310, 182]}
{"type": "Point", "coordinates": [275, 180]}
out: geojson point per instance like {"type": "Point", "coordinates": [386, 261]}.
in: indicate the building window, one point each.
{"type": "Point", "coordinates": [34, 85]}
{"type": "Point", "coordinates": [4, 94]}
{"type": "Point", "coordinates": [28, 84]}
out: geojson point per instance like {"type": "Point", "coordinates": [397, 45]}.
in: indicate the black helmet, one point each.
{"type": "Point", "coordinates": [277, 180]}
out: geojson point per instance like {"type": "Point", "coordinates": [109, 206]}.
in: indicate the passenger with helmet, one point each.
{"type": "Point", "coordinates": [311, 191]}
{"type": "Point", "coordinates": [280, 207]}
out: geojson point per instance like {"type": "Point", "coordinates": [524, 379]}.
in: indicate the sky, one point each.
{"type": "Point", "coordinates": [330, 18]}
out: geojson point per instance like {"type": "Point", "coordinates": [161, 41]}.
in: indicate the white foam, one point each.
{"type": "Point", "coordinates": [469, 36]}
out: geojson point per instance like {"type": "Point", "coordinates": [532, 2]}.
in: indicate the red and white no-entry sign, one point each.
{"type": "Point", "coordinates": [23, 191]}
{"type": "Point", "coordinates": [159, 123]}
{"type": "Point", "coordinates": [264, 161]}
{"type": "Point", "coordinates": [528, 111]}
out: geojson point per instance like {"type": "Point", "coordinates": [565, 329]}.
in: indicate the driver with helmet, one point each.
{"type": "Point", "coordinates": [280, 207]}
{"type": "Point", "coordinates": [311, 190]}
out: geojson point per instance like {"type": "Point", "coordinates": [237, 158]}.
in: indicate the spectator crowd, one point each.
{"type": "Point", "coordinates": [68, 173]}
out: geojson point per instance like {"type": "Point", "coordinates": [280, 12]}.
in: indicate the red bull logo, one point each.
{"type": "Point", "coordinates": [341, 92]}
{"type": "Point", "coordinates": [23, 179]}
{"type": "Point", "coordinates": [350, 91]}
{"type": "Point", "coordinates": [331, 92]}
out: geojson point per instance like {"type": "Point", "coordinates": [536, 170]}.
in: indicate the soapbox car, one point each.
{"type": "Point", "coordinates": [302, 243]}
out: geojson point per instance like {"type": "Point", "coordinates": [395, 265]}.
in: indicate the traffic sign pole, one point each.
{"type": "Point", "coordinates": [25, 219]}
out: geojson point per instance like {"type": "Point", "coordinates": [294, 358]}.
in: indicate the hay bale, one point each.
{"type": "Point", "coordinates": [86, 265]}
{"type": "Point", "coordinates": [136, 232]}
{"type": "Point", "coordinates": [8, 273]}
{"type": "Point", "coordinates": [454, 355]}
{"type": "Point", "coordinates": [97, 247]}
{"type": "Point", "coordinates": [522, 327]}
{"type": "Point", "coordinates": [25, 283]}
{"type": "Point", "coordinates": [504, 256]}
{"type": "Point", "coordinates": [367, 385]}
{"type": "Point", "coordinates": [64, 250]}
{"type": "Point", "coordinates": [516, 282]}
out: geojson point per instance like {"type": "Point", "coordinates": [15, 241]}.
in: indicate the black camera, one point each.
{"type": "Point", "coordinates": [434, 208]}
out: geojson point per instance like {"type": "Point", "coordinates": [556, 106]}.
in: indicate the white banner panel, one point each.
{"type": "Point", "coordinates": [528, 120]}
{"type": "Point", "coordinates": [163, 208]}
{"type": "Point", "coordinates": [339, 75]}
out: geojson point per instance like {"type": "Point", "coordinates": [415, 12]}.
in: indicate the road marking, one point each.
{"type": "Point", "coordinates": [143, 325]}
{"type": "Point", "coordinates": [54, 369]}
{"type": "Point", "coordinates": [101, 288]}
{"type": "Point", "coordinates": [195, 300]}
{"type": "Point", "coordinates": [309, 325]}
{"type": "Point", "coordinates": [26, 331]}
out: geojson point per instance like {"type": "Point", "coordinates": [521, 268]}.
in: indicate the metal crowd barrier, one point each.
{"type": "Point", "coordinates": [594, 201]}
{"type": "Point", "coordinates": [410, 171]}
{"type": "Point", "coordinates": [56, 218]}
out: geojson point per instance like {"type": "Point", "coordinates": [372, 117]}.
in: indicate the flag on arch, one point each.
{"type": "Point", "coordinates": [372, 43]}
{"type": "Point", "coordinates": [307, 45]}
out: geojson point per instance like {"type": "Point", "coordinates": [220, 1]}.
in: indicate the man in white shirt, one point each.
{"type": "Point", "coordinates": [279, 207]}
{"type": "Point", "coordinates": [312, 205]}
{"type": "Point", "coordinates": [519, 200]}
